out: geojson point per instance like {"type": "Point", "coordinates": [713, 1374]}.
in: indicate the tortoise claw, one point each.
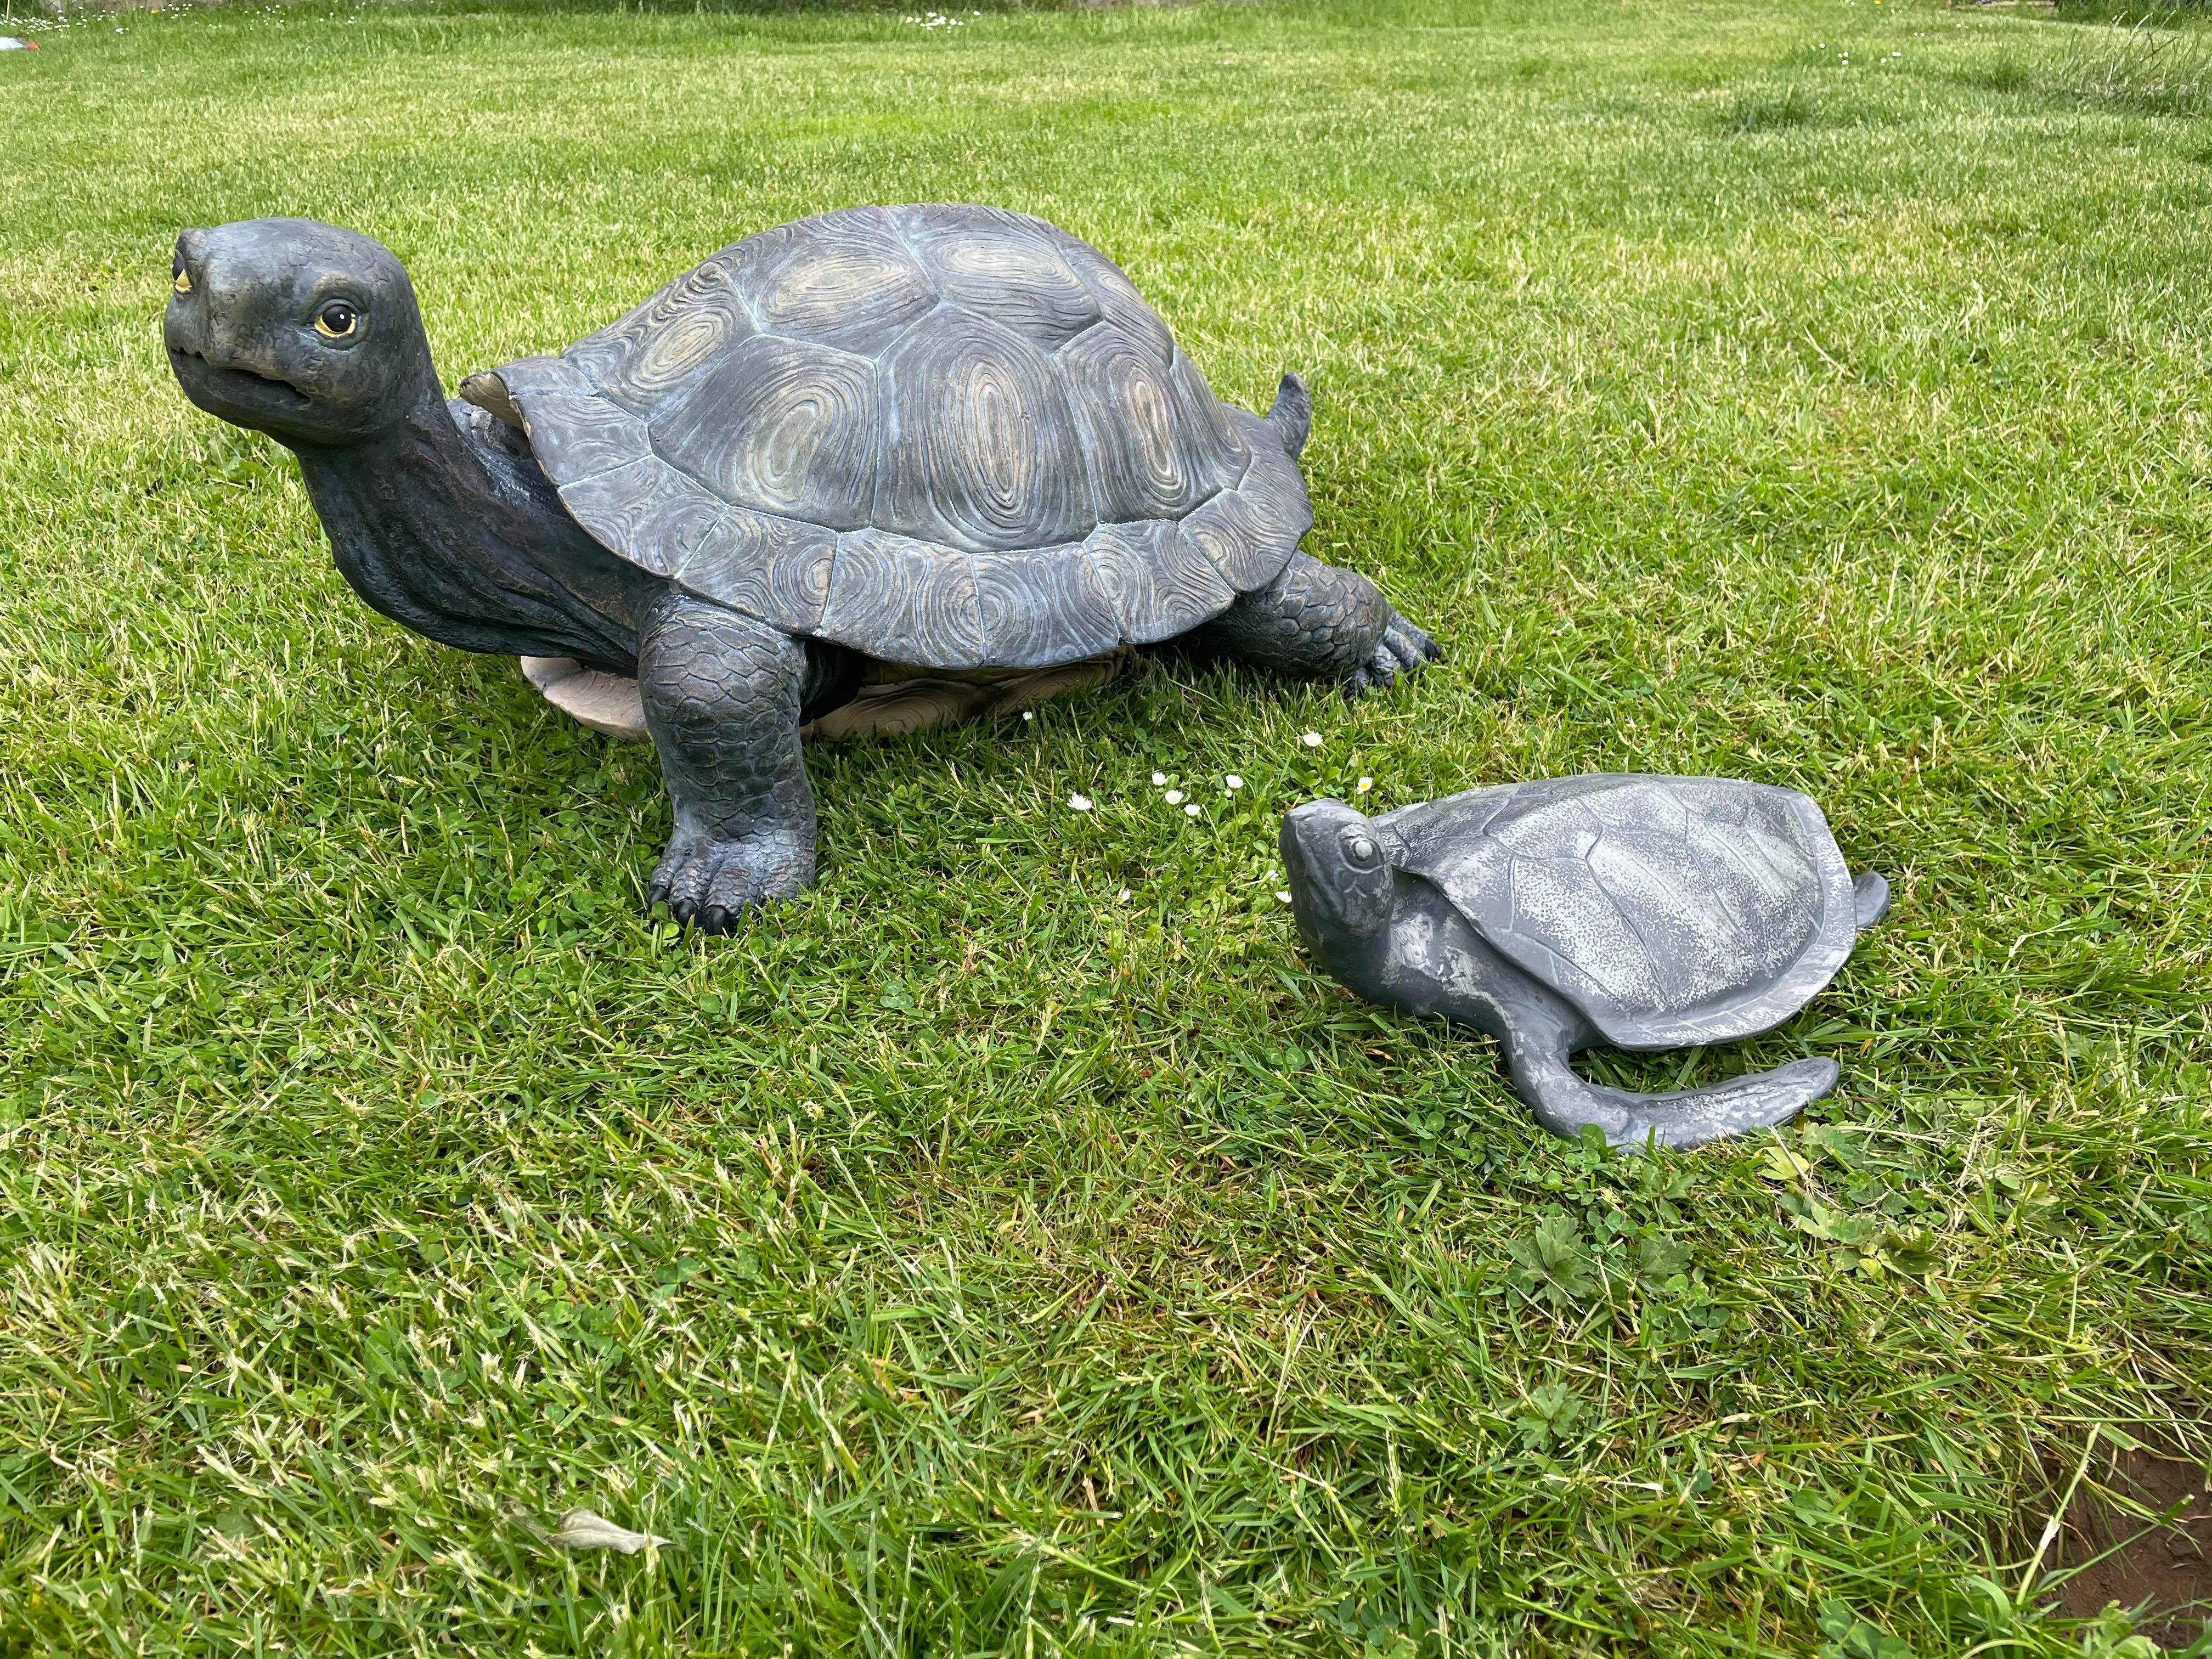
{"type": "Point", "coordinates": [710, 884]}
{"type": "Point", "coordinates": [1403, 650]}
{"type": "Point", "coordinates": [1412, 644]}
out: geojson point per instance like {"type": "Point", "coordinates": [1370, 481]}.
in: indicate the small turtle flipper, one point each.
{"type": "Point", "coordinates": [1678, 1119]}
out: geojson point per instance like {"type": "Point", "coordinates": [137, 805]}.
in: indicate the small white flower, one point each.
{"type": "Point", "coordinates": [1192, 810]}
{"type": "Point", "coordinates": [1029, 713]}
{"type": "Point", "coordinates": [1233, 781]}
{"type": "Point", "coordinates": [1122, 897]}
{"type": "Point", "coordinates": [1081, 803]}
{"type": "Point", "coordinates": [1365, 784]}
{"type": "Point", "coordinates": [1312, 740]}
{"type": "Point", "coordinates": [1159, 778]}
{"type": "Point", "coordinates": [1175, 797]}
{"type": "Point", "coordinates": [1283, 893]}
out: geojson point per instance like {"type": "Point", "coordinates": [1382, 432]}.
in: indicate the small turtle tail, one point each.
{"type": "Point", "coordinates": [1870, 898]}
{"type": "Point", "coordinates": [1293, 415]}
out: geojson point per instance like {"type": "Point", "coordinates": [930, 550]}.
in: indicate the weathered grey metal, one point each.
{"type": "Point", "coordinates": [1647, 912]}
{"type": "Point", "coordinates": [885, 442]}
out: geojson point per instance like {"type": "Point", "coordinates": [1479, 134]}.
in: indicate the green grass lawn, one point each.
{"type": "Point", "coordinates": [974, 1258]}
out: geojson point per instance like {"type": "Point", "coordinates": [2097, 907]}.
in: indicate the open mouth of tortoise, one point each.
{"type": "Point", "coordinates": [234, 382]}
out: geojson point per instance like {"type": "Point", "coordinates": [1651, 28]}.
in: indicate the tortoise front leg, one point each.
{"type": "Point", "coordinates": [723, 694]}
{"type": "Point", "coordinates": [1316, 622]}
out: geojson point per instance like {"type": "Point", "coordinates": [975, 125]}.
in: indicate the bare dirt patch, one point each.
{"type": "Point", "coordinates": [2142, 1523]}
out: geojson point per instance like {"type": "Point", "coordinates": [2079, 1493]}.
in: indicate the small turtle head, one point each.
{"type": "Point", "coordinates": [1342, 886]}
{"type": "Point", "coordinates": [300, 330]}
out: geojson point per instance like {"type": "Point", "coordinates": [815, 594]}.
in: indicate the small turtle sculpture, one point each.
{"type": "Point", "coordinates": [912, 442]}
{"type": "Point", "coordinates": [1646, 912]}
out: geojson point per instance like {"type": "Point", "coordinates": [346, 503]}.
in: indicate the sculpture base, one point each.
{"type": "Point", "coordinates": [611, 704]}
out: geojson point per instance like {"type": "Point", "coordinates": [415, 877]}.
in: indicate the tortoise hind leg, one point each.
{"type": "Point", "coordinates": [722, 694]}
{"type": "Point", "coordinates": [1564, 1102]}
{"type": "Point", "coordinates": [1316, 622]}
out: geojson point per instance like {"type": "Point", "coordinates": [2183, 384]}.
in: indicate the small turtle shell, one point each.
{"type": "Point", "coordinates": [949, 436]}
{"type": "Point", "coordinates": [1670, 911]}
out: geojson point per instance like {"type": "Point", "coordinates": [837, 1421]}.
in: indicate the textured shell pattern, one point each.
{"type": "Point", "coordinates": [1670, 911]}
{"type": "Point", "coordinates": [953, 437]}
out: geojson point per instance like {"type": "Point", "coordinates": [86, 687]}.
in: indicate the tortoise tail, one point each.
{"type": "Point", "coordinates": [1293, 415]}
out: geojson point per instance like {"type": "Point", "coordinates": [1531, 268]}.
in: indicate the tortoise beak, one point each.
{"type": "Point", "coordinates": [200, 330]}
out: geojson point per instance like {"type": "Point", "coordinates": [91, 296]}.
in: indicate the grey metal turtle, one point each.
{"type": "Point", "coordinates": [1646, 912]}
{"type": "Point", "coordinates": [919, 440]}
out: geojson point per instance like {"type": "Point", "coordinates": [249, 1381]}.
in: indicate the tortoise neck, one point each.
{"type": "Point", "coordinates": [459, 535]}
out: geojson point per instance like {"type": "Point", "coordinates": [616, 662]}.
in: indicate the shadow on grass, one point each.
{"type": "Point", "coordinates": [1769, 109]}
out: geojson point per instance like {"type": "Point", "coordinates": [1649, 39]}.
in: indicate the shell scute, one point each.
{"type": "Point", "coordinates": [1002, 265]}
{"type": "Point", "coordinates": [646, 508]}
{"type": "Point", "coordinates": [1242, 546]}
{"type": "Point", "coordinates": [845, 279]}
{"type": "Point", "coordinates": [903, 600]}
{"type": "Point", "coordinates": [576, 438]}
{"type": "Point", "coordinates": [777, 570]}
{"type": "Point", "coordinates": [655, 348]}
{"type": "Point", "coordinates": [1042, 607]}
{"type": "Point", "coordinates": [1146, 452]}
{"type": "Point", "coordinates": [1157, 579]}
{"type": "Point", "coordinates": [780, 426]}
{"type": "Point", "coordinates": [987, 457]}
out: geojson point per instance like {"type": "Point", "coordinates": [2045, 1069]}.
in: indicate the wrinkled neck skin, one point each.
{"type": "Point", "coordinates": [1363, 962]}
{"type": "Point", "coordinates": [449, 527]}
{"type": "Point", "coordinates": [1428, 961]}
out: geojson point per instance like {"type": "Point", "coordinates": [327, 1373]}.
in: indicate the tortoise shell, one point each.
{"type": "Point", "coordinates": [1670, 911]}
{"type": "Point", "coordinates": [946, 436]}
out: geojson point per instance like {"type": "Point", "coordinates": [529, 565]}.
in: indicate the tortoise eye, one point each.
{"type": "Point", "coordinates": [183, 283]}
{"type": "Point", "coordinates": [336, 320]}
{"type": "Point", "coordinates": [1360, 851]}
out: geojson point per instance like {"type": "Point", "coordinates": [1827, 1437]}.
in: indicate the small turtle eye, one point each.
{"type": "Point", "coordinates": [336, 320]}
{"type": "Point", "coordinates": [183, 283]}
{"type": "Point", "coordinates": [1360, 851]}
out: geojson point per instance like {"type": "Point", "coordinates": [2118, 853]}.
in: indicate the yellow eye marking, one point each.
{"type": "Point", "coordinates": [336, 320]}
{"type": "Point", "coordinates": [184, 281]}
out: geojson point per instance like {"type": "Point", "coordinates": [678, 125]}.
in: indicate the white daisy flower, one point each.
{"type": "Point", "coordinates": [1081, 803]}
{"type": "Point", "coordinates": [1122, 897]}
{"type": "Point", "coordinates": [1175, 797]}
{"type": "Point", "coordinates": [1159, 778]}
{"type": "Point", "coordinates": [1029, 713]}
{"type": "Point", "coordinates": [1365, 784]}
{"type": "Point", "coordinates": [1232, 781]}
{"type": "Point", "coordinates": [1312, 740]}
{"type": "Point", "coordinates": [1192, 810]}
{"type": "Point", "coordinates": [1283, 893]}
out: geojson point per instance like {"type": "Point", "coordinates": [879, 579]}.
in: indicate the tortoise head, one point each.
{"type": "Point", "coordinates": [1342, 886]}
{"type": "Point", "coordinates": [300, 330]}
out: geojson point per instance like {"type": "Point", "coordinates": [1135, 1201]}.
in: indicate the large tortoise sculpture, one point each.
{"type": "Point", "coordinates": [912, 440]}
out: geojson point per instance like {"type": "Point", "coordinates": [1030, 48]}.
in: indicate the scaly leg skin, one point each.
{"type": "Point", "coordinates": [1316, 622]}
{"type": "Point", "coordinates": [723, 694]}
